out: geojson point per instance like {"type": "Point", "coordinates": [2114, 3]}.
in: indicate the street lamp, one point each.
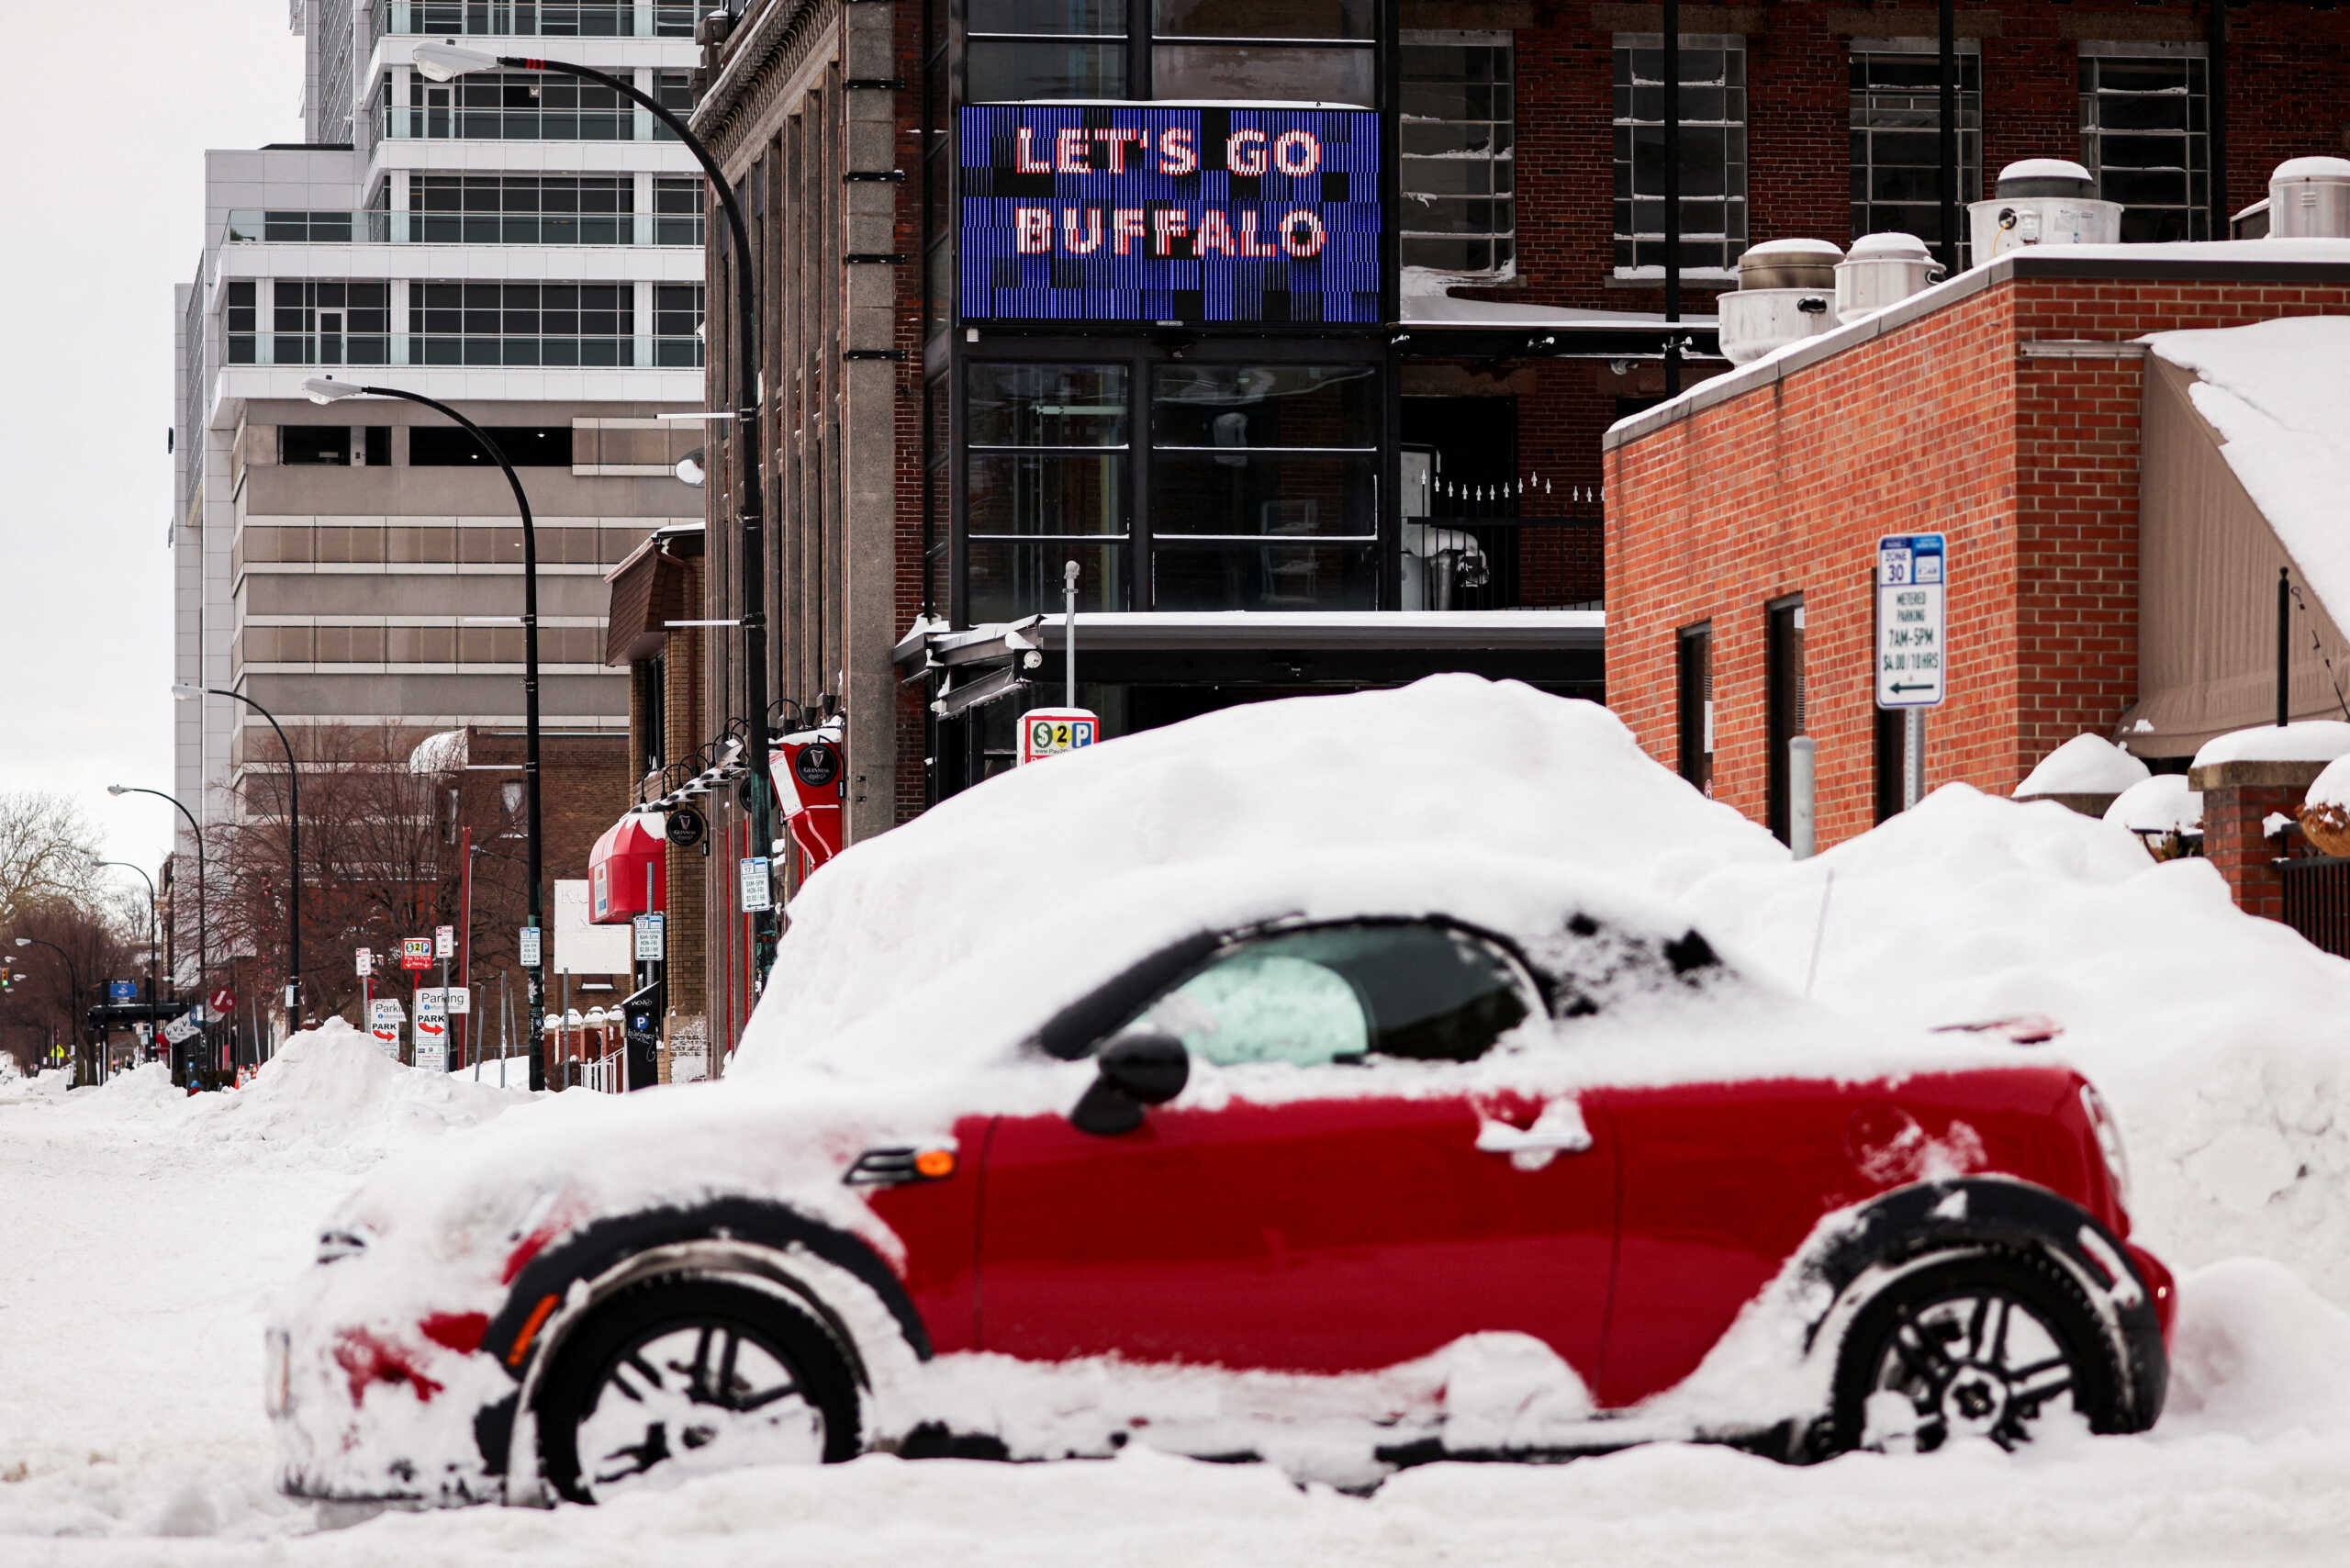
{"type": "Point", "coordinates": [203, 926]}
{"type": "Point", "coordinates": [73, 996]}
{"type": "Point", "coordinates": [325, 389]}
{"type": "Point", "coordinates": [444, 61]}
{"type": "Point", "coordinates": [184, 691]}
{"type": "Point", "coordinates": [153, 920]}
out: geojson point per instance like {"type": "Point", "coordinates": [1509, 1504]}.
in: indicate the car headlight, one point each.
{"type": "Point", "coordinates": [2109, 1142]}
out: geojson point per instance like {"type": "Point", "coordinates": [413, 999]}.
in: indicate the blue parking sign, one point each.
{"type": "Point", "coordinates": [122, 990]}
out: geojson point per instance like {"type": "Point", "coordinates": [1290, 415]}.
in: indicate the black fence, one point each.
{"type": "Point", "coordinates": [2317, 900]}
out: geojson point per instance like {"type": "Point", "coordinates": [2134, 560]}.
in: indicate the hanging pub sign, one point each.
{"type": "Point", "coordinates": [1204, 216]}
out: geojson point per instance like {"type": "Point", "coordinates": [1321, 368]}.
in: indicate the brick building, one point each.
{"type": "Point", "coordinates": [2108, 572]}
{"type": "Point", "coordinates": [1379, 453]}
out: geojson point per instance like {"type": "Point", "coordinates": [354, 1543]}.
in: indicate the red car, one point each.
{"type": "Point", "coordinates": [1346, 1188]}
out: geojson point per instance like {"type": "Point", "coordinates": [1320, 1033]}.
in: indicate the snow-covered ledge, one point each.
{"type": "Point", "coordinates": [2248, 778]}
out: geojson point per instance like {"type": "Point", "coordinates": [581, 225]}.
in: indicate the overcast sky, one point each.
{"type": "Point", "coordinates": [106, 117]}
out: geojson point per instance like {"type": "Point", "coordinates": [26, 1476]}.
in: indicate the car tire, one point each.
{"type": "Point", "coordinates": [1981, 1344]}
{"type": "Point", "coordinates": [681, 1376]}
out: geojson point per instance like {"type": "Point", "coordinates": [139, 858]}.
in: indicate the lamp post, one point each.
{"type": "Point", "coordinates": [203, 927]}
{"type": "Point", "coordinates": [326, 390]}
{"type": "Point", "coordinates": [153, 919]}
{"type": "Point", "coordinates": [184, 691]}
{"type": "Point", "coordinates": [444, 61]}
{"type": "Point", "coordinates": [73, 998]}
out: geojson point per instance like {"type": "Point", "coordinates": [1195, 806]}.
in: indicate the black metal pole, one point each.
{"type": "Point", "coordinates": [1948, 126]}
{"type": "Point", "coordinates": [1672, 197]}
{"type": "Point", "coordinates": [73, 996]}
{"type": "Point", "coordinates": [753, 588]}
{"type": "Point", "coordinates": [202, 924]}
{"type": "Point", "coordinates": [2284, 643]}
{"type": "Point", "coordinates": [2215, 66]}
{"type": "Point", "coordinates": [294, 864]}
{"type": "Point", "coordinates": [530, 698]}
{"type": "Point", "coordinates": [153, 920]}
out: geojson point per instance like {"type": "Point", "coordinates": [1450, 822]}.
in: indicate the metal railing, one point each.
{"type": "Point", "coordinates": [536, 18]}
{"type": "Point", "coordinates": [2317, 900]}
{"type": "Point", "coordinates": [297, 225]}
{"type": "Point", "coordinates": [666, 352]}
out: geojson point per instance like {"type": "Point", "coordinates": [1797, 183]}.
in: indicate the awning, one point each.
{"type": "Point", "coordinates": [628, 870]}
{"type": "Point", "coordinates": [648, 591]}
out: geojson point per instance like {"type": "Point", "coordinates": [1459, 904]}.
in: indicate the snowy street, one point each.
{"type": "Point", "coordinates": [145, 1232]}
{"type": "Point", "coordinates": [136, 1437]}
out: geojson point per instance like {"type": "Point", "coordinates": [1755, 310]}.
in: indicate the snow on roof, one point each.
{"type": "Point", "coordinates": [1425, 300]}
{"type": "Point", "coordinates": [443, 753]}
{"type": "Point", "coordinates": [2307, 739]}
{"type": "Point", "coordinates": [963, 929]}
{"type": "Point", "coordinates": [2278, 394]}
{"type": "Point", "coordinates": [2085, 765]}
{"type": "Point", "coordinates": [2161, 803]}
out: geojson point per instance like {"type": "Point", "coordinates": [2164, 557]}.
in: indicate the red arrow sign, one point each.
{"type": "Point", "coordinates": [224, 1001]}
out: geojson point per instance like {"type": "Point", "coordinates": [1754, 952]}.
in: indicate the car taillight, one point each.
{"type": "Point", "coordinates": [2108, 1143]}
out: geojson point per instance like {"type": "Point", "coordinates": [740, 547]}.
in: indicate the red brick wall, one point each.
{"type": "Point", "coordinates": [2029, 463]}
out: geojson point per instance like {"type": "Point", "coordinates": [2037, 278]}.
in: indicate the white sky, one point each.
{"type": "Point", "coordinates": [107, 113]}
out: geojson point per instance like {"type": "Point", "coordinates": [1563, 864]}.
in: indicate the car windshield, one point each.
{"type": "Point", "coordinates": [1346, 994]}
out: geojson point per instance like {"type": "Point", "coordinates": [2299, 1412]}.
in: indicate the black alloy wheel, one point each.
{"type": "Point", "coordinates": [682, 1377]}
{"type": "Point", "coordinates": [1988, 1345]}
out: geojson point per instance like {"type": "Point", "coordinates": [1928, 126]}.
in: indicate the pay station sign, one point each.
{"type": "Point", "coordinates": [1050, 731]}
{"type": "Point", "coordinates": [1911, 579]}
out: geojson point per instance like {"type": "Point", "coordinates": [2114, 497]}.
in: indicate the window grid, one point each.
{"type": "Point", "coordinates": [1713, 153]}
{"type": "Point", "coordinates": [2145, 138]}
{"type": "Point", "coordinates": [1321, 51]}
{"type": "Point", "coordinates": [1896, 143]}
{"type": "Point", "coordinates": [535, 19]}
{"type": "Point", "coordinates": [317, 321]}
{"type": "Point", "coordinates": [1457, 163]}
{"type": "Point", "coordinates": [521, 323]}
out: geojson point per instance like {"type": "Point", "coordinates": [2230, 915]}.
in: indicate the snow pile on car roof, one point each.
{"type": "Point", "coordinates": [1269, 801]}
{"type": "Point", "coordinates": [2215, 1036]}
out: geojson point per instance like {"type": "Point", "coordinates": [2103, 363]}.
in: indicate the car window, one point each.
{"type": "Point", "coordinates": [1343, 993]}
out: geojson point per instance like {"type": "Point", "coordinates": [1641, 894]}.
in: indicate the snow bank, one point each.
{"type": "Point", "coordinates": [1451, 766]}
{"type": "Point", "coordinates": [2085, 765]}
{"type": "Point", "coordinates": [2214, 1034]}
{"type": "Point", "coordinates": [2305, 740]}
{"type": "Point", "coordinates": [331, 1097]}
{"type": "Point", "coordinates": [2164, 803]}
{"type": "Point", "coordinates": [2278, 394]}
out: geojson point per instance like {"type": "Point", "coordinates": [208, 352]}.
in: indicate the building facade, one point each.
{"type": "Point", "coordinates": [1296, 328]}
{"type": "Point", "coordinates": [524, 247]}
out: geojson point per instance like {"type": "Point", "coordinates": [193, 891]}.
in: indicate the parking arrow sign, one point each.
{"type": "Point", "coordinates": [1912, 577]}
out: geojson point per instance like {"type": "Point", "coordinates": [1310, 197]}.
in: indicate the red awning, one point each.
{"type": "Point", "coordinates": [631, 850]}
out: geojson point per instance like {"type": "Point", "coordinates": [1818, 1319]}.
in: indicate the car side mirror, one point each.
{"type": "Point", "coordinates": [1142, 1067]}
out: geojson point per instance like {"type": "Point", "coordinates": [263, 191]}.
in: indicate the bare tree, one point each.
{"type": "Point", "coordinates": [46, 850]}
{"type": "Point", "coordinates": [97, 937]}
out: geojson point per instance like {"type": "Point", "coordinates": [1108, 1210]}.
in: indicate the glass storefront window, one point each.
{"type": "Point", "coordinates": [1187, 72]}
{"type": "Point", "coordinates": [1045, 483]}
{"type": "Point", "coordinates": [1264, 577]}
{"type": "Point", "coordinates": [1011, 70]}
{"type": "Point", "coordinates": [1263, 18]}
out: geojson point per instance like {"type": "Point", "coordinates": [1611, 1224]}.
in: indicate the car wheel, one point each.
{"type": "Point", "coordinates": [676, 1378]}
{"type": "Point", "coordinates": [1985, 1345]}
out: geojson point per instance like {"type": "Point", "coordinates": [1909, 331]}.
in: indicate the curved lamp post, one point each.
{"type": "Point", "coordinates": [326, 390]}
{"type": "Point", "coordinates": [444, 61]}
{"type": "Point", "coordinates": [203, 927]}
{"type": "Point", "coordinates": [183, 691]}
{"type": "Point", "coordinates": [154, 921]}
{"type": "Point", "coordinates": [72, 994]}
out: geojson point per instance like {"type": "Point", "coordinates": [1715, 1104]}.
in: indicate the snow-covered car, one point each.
{"type": "Point", "coordinates": [1329, 1176]}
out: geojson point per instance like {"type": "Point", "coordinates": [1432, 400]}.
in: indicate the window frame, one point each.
{"type": "Point", "coordinates": [1532, 992]}
{"type": "Point", "coordinates": [1143, 40]}
{"type": "Point", "coordinates": [1863, 164]}
{"type": "Point", "coordinates": [2193, 60]}
{"type": "Point", "coordinates": [1500, 237]}
{"type": "Point", "coordinates": [1735, 201]}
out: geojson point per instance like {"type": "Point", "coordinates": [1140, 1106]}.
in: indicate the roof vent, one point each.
{"type": "Point", "coordinates": [2309, 199]}
{"type": "Point", "coordinates": [1882, 270]}
{"type": "Point", "coordinates": [1783, 295]}
{"type": "Point", "coordinates": [2042, 201]}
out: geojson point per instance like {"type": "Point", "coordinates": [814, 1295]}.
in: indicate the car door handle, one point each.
{"type": "Point", "coordinates": [1560, 1129]}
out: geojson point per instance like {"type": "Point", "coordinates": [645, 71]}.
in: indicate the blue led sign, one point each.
{"type": "Point", "coordinates": [1094, 212]}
